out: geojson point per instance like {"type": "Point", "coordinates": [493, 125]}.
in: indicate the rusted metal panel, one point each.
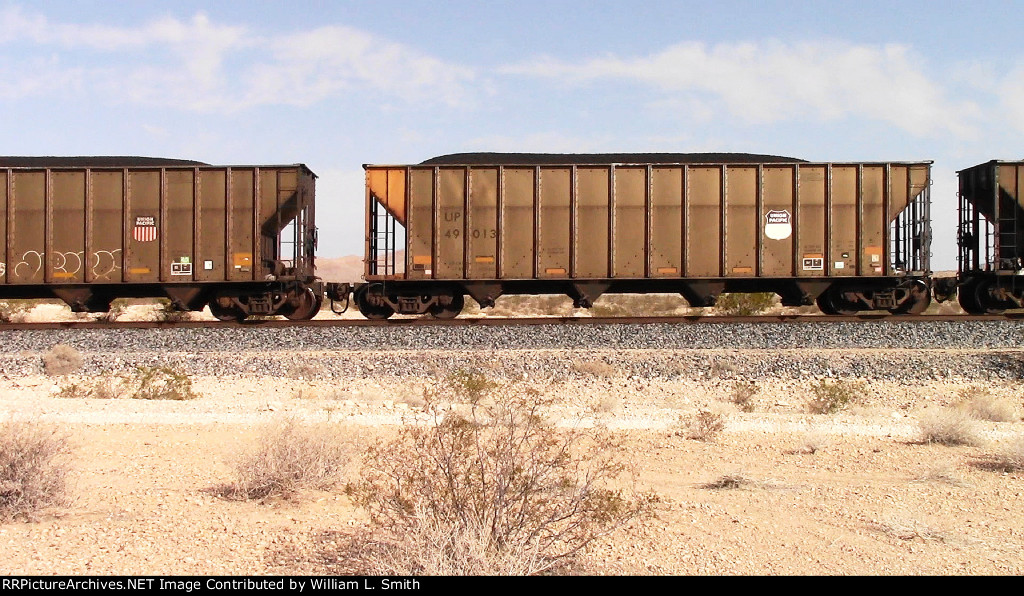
{"type": "Point", "coordinates": [666, 220]}
{"type": "Point", "coordinates": [27, 223]}
{"type": "Point", "coordinates": [4, 239]}
{"type": "Point", "coordinates": [420, 231]}
{"type": "Point", "coordinates": [142, 220]}
{"type": "Point", "coordinates": [211, 231]}
{"type": "Point", "coordinates": [242, 260]}
{"type": "Point", "coordinates": [517, 223]}
{"type": "Point", "coordinates": [450, 228]}
{"type": "Point", "coordinates": [741, 221]}
{"type": "Point", "coordinates": [591, 249]}
{"type": "Point", "coordinates": [811, 227]}
{"type": "Point", "coordinates": [482, 225]}
{"type": "Point", "coordinates": [106, 229]}
{"type": "Point", "coordinates": [65, 228]}
{"type": "Point", "coordinates": [873, 221]}
{"type": "Point", "coordinates": [776, 221]}
{"type": "Point", "coordinates": [553, 232]}
{"type": "Point", "coordinates": [703, 221]}
{"type": "Point", "coordinates": [179, 212]}
{"type": "Point", "coordinates": [843, 221]}
{"type": "Point", "coordinates": [630, 221]}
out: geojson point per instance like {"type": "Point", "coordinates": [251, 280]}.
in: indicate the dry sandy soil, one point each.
{"type": "Point", "coordinates": [870, 498]}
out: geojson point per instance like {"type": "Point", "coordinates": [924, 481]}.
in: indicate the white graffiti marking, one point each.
{"type": "Point", "coordinates": [103, 264]}
{"type": "Point", "coordinates": [31, 260]}
{"type": "Point", "coordinates": [106, 262]}
{"type": "Point", "coordinates": [61, 261]}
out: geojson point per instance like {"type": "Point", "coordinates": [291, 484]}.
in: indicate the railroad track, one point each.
{"type": "Point", "coordinates": [426, 321]}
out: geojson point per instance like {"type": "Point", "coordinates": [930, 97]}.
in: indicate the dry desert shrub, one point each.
{"type": "Point", "coordinates": [832, 397]}
{"type": "Point", "coordinates": [742, 395]}
{"type": "Point", "coordinates": [15, 311]}
{"type": "Point", "coordinates": [147, 382]}
{"type": "Point", "coordinates": [107, 385]}
{"type": "Point", "coordinates": [521, 306]}
{"type": "Point", "coordinates": [812, 442]}
{"type": "Point", "coordinates": [117, 309]}
{"type": "Point", "coordinates": [288, 458]}
{"type": "Point", "coordinates": [705, 425]}
{"type": "Point", "coordinates": [947, 426]}
{"type": "Point", "coordinates": [728, 482]}
{"type": "Point", "coordinates": [62, 359]}
{"type": "Point", "coordinates": [497, 490]}
{"type": "Point", "coordinates": [608, 404]}
{"type": "Point", "coordinates": [906, 527]}
{"type": "Point", "coordinates": [34, 468]}
{"type": "Point", "coordinates": [304, 371]}
{"type": "Point", "coordinates": [942, 472]}
{"type": "Point", "coordinates": [637, 305]}
{"type": "Point", "coordinates": [983, 405]}
{"type": "Point", "coordinates": [1010, 458]}
{"type": "Point", "coordinates": [740, 305]}
{"type": "Point", "coordinates": [595, 368]}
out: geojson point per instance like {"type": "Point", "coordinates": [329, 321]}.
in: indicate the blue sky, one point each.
{"type": "Point", "coordinates": [338, 84]}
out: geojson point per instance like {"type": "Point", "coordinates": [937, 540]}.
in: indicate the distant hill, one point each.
{"type": "Point", "coordinates": [341, 269]}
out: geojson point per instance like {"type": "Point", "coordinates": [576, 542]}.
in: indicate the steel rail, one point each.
{"type": "Point", "coordinates": [426, 321]}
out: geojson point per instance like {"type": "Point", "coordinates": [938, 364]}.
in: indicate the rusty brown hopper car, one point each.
{"type": "Point", "coordinates": [851, 236]}
{"type": "Point", "coordinates": [89, 230]}
{"type": "Point", "coordinates": [991, 237]}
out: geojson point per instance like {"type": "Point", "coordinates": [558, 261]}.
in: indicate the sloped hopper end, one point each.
{"type": "Point", "coordinates": [387, 187]}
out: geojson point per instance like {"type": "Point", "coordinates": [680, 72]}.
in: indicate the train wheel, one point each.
{"type": "Point", "coordinates": [917, 303]}
{"type": "Point", "coordinates": [968, 299]}
{"type": "Point", "coordinates": [307, 308]}
{"type": "Point", "coordinates": [988, 304]}
{"type": "Point", "coordinates": [831, 302]}
{"type": "Point", "coordinates": [226, 313]}
{"type": "Point", "coordinates": [448, 311]}
{"type": "Point", "coordinates": [368, 308]}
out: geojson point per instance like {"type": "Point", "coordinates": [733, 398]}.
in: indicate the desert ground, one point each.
{"type": "Point", "coordinates": [778, 491]}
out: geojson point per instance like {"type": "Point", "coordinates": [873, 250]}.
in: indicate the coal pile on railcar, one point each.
{"type": "Point", "coordinates": [93, 161]}
{"type": "Point", "coordinates": [536, 159]}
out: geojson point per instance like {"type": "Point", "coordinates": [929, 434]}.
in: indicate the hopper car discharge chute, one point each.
{"type": "Point", "coordinates": [847, 236]}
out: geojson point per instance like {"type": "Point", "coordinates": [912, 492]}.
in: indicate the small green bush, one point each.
{"type": "Point", "coordinates": [741, 305]}
{"type": "Point", "coordinates": [832, 397]}
{"type": "Point", "coordinates": [162, 382]}
{"type": "Point", "coordinates": [469, 386]}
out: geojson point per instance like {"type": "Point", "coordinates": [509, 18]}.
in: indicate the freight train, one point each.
{"type": "Point", "coordinates": [241, 239]}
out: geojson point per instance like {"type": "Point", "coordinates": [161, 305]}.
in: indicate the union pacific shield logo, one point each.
{"type": "Point", "coordinates": [145, 229]}
{"type": "Point", "coordinates": [777, 225]}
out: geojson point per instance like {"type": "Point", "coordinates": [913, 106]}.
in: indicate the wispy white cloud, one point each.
{"type": "Point", "coordinates": [197, 64]}
{"type": "Point", "coordinates": [770, 81]}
